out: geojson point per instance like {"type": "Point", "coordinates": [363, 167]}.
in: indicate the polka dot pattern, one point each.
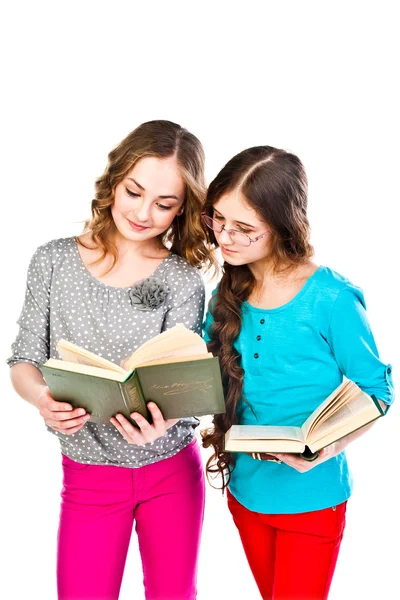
{"type": "Point", "coordinates": [63, 300]}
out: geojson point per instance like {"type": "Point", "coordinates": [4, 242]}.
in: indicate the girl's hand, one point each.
{"type": "Point", "coordinates": [147, 433]}
{"type": "Point", "coordinates": [124, 365]}
{"type": "Point", "coordinates": [61, 416]}
{"type": "Point", "coordinates": [301, 465]}
{"type": "Point", "coordinates": [334, 449]}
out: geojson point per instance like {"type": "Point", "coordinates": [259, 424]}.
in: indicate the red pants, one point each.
{"type": "Point", "coordinates": [292, 557]}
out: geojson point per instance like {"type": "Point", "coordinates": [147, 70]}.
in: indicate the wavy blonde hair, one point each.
{"type": "Point", "coordinates": [160, 139]}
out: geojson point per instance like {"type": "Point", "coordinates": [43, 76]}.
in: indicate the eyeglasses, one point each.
{"type": "Point", "coordinates": [240, 238]}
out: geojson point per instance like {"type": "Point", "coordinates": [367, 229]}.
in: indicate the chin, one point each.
{"type": "Point", "coordinates": [235, 262]}
{"type": "Point", "coordinates": [233, 259]}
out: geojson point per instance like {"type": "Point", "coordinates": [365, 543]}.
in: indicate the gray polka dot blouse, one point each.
{"type": "Point", "coordinates": [63, 300]}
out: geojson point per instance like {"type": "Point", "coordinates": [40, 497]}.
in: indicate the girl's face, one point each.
{"type": "Point", "coordinates": [232, 211]}
{"type": "Point", "coordinates": [148, 198]}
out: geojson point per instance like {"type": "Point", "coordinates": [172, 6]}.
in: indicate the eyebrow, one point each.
{"type": "Point", "coordinates": [142, 188]}
{"type": "Point", "coordinates": [238, 222]}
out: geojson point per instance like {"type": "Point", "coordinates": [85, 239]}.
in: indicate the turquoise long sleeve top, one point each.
{"type": "Point", "coordinates": [293, 357]}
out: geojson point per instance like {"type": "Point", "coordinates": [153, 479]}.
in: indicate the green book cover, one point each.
{"type": "Point", "coordinates": [102, 398]}
{"type": "Point", "coordinates": [186, 389]}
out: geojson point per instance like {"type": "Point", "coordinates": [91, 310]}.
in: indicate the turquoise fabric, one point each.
{"type": "Point", "coordinates": [293, 357]}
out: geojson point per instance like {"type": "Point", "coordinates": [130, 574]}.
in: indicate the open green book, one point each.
{"type": "Point", "coordinates": [347, 409]}
{"type": "Point", "coordinates": [173, 369]}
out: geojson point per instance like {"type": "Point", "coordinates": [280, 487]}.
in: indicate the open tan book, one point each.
{"type": "Point", "coordinates": [177, 344]}
{"type": "Point", "coordinates": [347, 409]}
{"type": "Point", "coordinates": [174, 369]}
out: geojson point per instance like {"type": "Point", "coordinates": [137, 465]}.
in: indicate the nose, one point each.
{"type": "Point", "coordinates": [143, 212]}
{"type": "Point", "coordinates": [224, 239]}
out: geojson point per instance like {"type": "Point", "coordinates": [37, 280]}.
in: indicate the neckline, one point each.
{"type": "Point", "coordinates": [105, 285]}
{"type": "Point", "coordinates": [295, 298]}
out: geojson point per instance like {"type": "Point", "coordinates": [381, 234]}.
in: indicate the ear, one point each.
{"type": "Point", "coordinates": [180, 211]}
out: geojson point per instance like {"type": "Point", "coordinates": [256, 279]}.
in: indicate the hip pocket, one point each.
{"type": "Point", "coordinates": [340, 512]}
{"type": "Point", "coordinates": [73, 465]}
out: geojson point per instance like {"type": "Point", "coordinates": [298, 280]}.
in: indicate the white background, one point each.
{"type": "Point", "coordinates": [317, 78]}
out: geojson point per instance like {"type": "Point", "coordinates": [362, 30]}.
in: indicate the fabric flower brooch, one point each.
{"type": "Point", "coordinates": [148, 294]}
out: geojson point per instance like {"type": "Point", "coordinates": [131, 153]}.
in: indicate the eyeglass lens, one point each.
{"type": "Point", "coordinates": [240, 238]}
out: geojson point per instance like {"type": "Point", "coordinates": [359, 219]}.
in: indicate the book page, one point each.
{"type": "Point", "coordinates": [170, 343]}
{"type": "Point", "coordinates": [338, 434]}
{"type": "Point", "coordinates": [359, 411]}
{"type": "Point", "coordinates": [72, 353]}
{"type": "Point", "coordinates": [186, 344]}
{"type": "Point", "coordinates": [341, 394]}
{"type": "Point", "coordinates": [335, 405]}
{"type": "Point", "coordinates": [165, 353]}
{"type": "Point", "coordinates": [268, 446]}
{"type": "Point", "coordinates": [173, 359]}
{"type": "Point", "coordinates": [169, 337]}
{"type": "Point", "coordinates": [75, 367]}
{"type": "Point", "coordinates": [265, 432]}
{"type": "Point", "coordinates": [263, 438]}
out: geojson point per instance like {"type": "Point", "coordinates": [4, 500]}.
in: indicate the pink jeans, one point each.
{"type": "Point", "coordinates": [99, 505]}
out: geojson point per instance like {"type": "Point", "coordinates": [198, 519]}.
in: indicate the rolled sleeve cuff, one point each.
{"type": "Point", "coordinates": [382, 387]}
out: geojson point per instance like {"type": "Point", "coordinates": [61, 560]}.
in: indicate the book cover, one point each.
{"type": "Point", "coordinates": [102, 398]}
{"type": "Point", "coordinates": [190, 388]}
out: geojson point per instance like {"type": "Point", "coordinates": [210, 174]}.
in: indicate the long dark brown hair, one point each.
{"type": "Point", "coordinates": [160, 139]}
{"type": "Point", "coordinates": [274, 183]}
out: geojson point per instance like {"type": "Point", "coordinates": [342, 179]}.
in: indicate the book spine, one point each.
{"type": "Point", "coordinates": [133, 396]}
{"type": "Point", "coordinates": [309, 455]}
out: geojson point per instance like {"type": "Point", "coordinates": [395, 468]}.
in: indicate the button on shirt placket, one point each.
{"type": "Point", "coordinates": [257, 346]}
{"type": "Point", "coordinates": [258, 339]}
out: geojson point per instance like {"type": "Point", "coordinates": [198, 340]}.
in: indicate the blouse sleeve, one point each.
{"type": "Point", "coordinates": [188, 308]}
{"type": "Point", "coordinates": [354, 348]}
{"type": "Point", "coordinates": [32, 341]}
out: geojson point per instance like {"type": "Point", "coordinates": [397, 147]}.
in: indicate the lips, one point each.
{"type": "Point", "coordinates": [227, 251]}
{"type": "Point", "coordinates": [136, 226]}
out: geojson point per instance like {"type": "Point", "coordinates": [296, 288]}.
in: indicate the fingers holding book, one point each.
{"type": "Point", "coordinates": [61, 416]}
{"type": "Point", "coordinates": [146, 432]}
{"type": "Point", "coordinates": [124, 364]}
{"type": "Point", "coordinates": [297, 462]}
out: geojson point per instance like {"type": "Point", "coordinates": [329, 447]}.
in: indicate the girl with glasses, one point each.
{"type": "Point", "coordinates": [133, 273]}
{"type": "Point", "coordinates": [285, 330]}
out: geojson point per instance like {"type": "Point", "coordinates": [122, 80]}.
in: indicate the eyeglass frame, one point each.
{"type": "Point", "coordinates": [228, 231]}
